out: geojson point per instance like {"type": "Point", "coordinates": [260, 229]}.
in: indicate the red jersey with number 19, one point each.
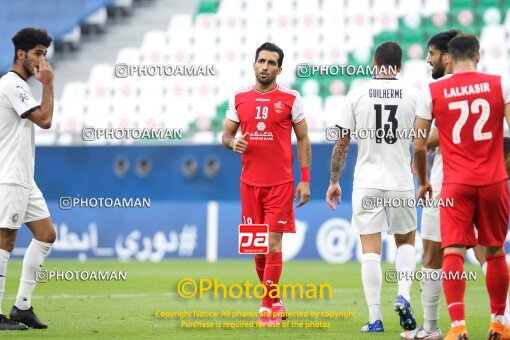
{"type": "Point", "coordinates": [469, 111]}
{"type": "Point", "coordinates": [268, 117]}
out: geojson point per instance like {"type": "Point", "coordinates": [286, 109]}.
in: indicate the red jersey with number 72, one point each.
{"type": "Point", "coordinates": [469, 111]}
{"type": "Point", "coordinates": [268, 117]}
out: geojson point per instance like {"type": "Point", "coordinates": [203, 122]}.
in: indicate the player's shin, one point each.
{"type": "Point", "coordinates": [33, 260]}
{"type": "Point", "coordinates": [454, 286]}
{"type": "Point", "coordinates": [272, 273]}
{"type": "Point", "coordinates": [371, 276]}
{"type": "Point", "coordinates": [4, 258]}
{"type": "Point", "coordinates": [260, 264]}
{"type": "Point", "coordinates": [497, 285]}
{"type": "Point", "coordinates": [430, 297]}
{"type": "Point", "coordinates": [405, 266]}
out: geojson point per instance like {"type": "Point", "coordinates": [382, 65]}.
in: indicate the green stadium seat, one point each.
{"type": "Point", "coordinates": [387, 36]}
{"type": "Point", "coordinates": [489, 3]}
{"type": "Point", "coordinates": [462, 4]}
{"type": "Point", "coordinates": [221, 110]}
{"type": "Point", "coordinates": [412, 36]}
{"type": "Point", "coordinates": [208, 6]}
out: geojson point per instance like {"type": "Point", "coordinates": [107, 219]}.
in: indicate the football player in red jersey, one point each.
{"type": "Point", "coordinates": [468, 108]}
{"type": "Point", "coordinates": [267, 113]}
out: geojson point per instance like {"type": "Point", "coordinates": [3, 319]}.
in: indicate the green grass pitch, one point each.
{"type": "Point", "coordinates": [126, 309]}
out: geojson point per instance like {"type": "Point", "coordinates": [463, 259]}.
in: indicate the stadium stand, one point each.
{"type": "Point", "coordinates": [225, 34]}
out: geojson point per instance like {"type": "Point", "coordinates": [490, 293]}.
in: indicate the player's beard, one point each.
{"type": "Point", "coordinates": [266, 81]}
{"type": "Point", "coordinates": [26, 66]}
{"type": "Point", "coordinates": [438, 72]}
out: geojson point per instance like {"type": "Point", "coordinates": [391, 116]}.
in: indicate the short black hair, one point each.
{"type": "Point", "coordinates": [267, 46]}
{"type": "Point", "coordinates": [465, 46]}
{"type": "Point", "coordinates": [28, 38]}
{"type": "Point", "coordinates": [388, 53]}
{"type": "Point", "coordinates": [441, 40]}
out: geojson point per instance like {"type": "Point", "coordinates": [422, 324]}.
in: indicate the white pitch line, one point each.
{"type": "Point", "coordinates": [138, 295]}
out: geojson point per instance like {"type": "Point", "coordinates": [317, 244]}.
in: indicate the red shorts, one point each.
{"type": "Point", "coordinates": [269, 205]}
{"type": "Point", "coordinates": [483, 207]}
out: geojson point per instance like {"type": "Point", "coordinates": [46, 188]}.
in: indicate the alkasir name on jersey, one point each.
{"type": "Point", "coordinates": [466, 90]}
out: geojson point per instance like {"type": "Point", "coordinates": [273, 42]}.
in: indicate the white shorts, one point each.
{"type": "Point", "coordinates": [430, 226]}
{"type": "Point", "coordinates": [367, 219]}
{"type": "Point", "coordinates": [19, 205]}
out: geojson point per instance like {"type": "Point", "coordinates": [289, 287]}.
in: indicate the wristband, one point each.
{"type": "Point", "coordinates": [305, 175]}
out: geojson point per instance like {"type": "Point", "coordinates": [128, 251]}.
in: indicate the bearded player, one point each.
{"type": "Point", "coordinates": [267, 113]}
{"type": "Point", "coordinates": [22, 202]}
{"type": "Point", "coordinates": [468, 108]}
{"type": "Point", "coordinates": [432, 261]}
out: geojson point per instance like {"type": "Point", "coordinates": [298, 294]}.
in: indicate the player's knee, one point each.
{"type": "Point", "coordinates": [49, 236]}
{"type": "Point", "coordinates": [7, 241]}
{"type": "Point", "coordinates": [491, 251]}
{"type": "Point", "coordinates": [432, 260]}
{"type": "Point", "coordinates": [275, 246]}
{"type": "Point", "coordinates": [404, 239]}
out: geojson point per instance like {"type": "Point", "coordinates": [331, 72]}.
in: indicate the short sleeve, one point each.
{"type": "Point", "coordinates": [21, 99]}
{"type": "Point", "coordinates": [232, 111]}
{"type": "Point", "coordinates": [505, 88]}
{"type": "Point", "coordinates": [424, 105]}
{"type": "Point", "coordinates": [297, 114]}
{"type": "Point", "coordinates": [346, 119]}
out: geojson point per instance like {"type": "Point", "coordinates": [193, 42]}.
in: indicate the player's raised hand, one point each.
{"type": "Point", "coordinates": [240, 144]}
{"type": "Point", "coordinates": [334, 191]}
{"type": "Point", "coordinates": [423, 189]}
{"type": "Point", "coordinates": [44, 72]}
{"type": "Point", "coordinates": [302, 189]}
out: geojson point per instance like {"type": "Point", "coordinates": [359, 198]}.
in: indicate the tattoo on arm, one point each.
{"type": "Point", "coordinates": [338, 158]}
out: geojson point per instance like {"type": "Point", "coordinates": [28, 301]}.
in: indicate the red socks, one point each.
{"type": "Point", "coordinates": [497, 282]}
{"type": "Point", "coordinates": [260, 264]}
{"type": "Point", "coordinates": [272, 272]}
{"type": "Point", "coordinates": [454, 289]}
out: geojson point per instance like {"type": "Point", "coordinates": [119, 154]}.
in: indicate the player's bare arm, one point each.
{"type": "Point", "coordinates": [338, 157]}
{"type": "Point", "coordinates": [43, 116]}
{"type": "Point", "coordinates": [420, 157]}
{"type": "Point", "coordinates": [304, 149]}
{"type": "Point", "coordinates": [229, 139]}
{"type": "Point", "coordinates": [433, 140]}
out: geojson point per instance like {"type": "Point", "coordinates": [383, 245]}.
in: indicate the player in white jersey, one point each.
{"type": "Point", "coordinates": [382, 178]}
{"type": "Point", "coordinates": [21, 201]}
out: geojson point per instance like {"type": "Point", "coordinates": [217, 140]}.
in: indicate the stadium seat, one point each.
{"type": "Point", "coordinates": [410, 7]}
{"type": "Point", "coordinates": [128, 55]}
{"type": "Point", "coordinates": [100, 82]}
{"type": "Point", "coordinates": [332, 108]}
{"type": "Point", "coordinates": [432, 7]}
{"type": "Point", "coordinates": [154, 49]}
{"type": "Point", "coordinates": [490, 16]}
{"type": "Point", "coordinates": [230, 7]}
{"type": "Point", "coordinates": [180, 24]}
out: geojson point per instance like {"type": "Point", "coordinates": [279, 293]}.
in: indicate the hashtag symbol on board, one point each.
{"type": "Point", "coordinates": [188, 240]}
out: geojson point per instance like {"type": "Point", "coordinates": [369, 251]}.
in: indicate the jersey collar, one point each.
{"type": "Point", "coordinates": [19, 75]}
{"type": "Point", "coordinates": [276, 88]}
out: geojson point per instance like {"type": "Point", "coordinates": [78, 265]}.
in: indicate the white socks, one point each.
{"type": "Point", "coordinates": [430, 297]}
{"type": "Point", "coordinates": [4, 258]}
{"type": "Point", "coordinates": [371, 277]}
{"type": "Point", "coordinates": [405, 262]}
{"type": "Point", "coordinates": [33, 260]}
